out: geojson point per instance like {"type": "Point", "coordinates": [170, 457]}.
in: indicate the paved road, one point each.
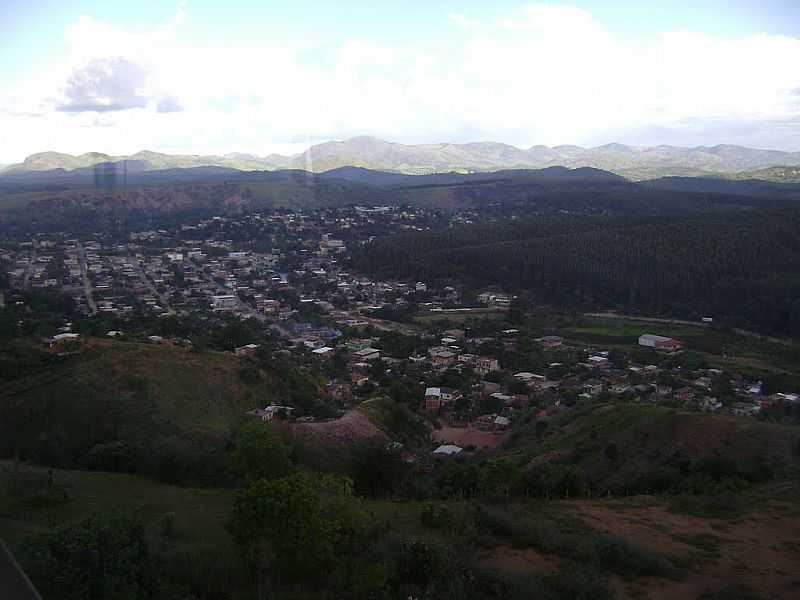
{"type": "Point", "coordinates": [161, 297]}
{"type": "Point", "coordinates": [603, 315]}
{"type": "Point", "coordinates": [26, 276]}
{"type": "Point", "coordinates": [87, 284]}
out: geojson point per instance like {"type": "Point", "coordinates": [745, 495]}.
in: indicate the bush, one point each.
{"type": "Point", "coordinates": [260, 453]}
{"type": "Point", "coordinates": [104, 556]}
{"type": "Point", "coordinates": [436, 517]}
{"type": "Point", "coordinates": [620, 556]}
{"type": "Point", "coordinates": [578, 581]}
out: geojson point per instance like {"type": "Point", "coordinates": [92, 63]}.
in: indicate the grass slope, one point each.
{"type": "Point", "coordinates": [187, 389]}
{"type": "Point", "coordinates": [645, 438]}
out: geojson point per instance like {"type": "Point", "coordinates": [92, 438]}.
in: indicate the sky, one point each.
{"type": "Point", "coordinates": [262, 76]}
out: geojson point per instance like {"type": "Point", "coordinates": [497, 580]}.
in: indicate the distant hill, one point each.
{"type": "Point", "coordinates": [776, 174]}
{"type": "Point", "coordinates": [47, 161]}
{"type": "Point", "coordinates": [89, 198]}
{"type": "Point", "coordinates": [633, 162]}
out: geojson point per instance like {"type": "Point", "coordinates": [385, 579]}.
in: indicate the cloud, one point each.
{"type": "Point", "coordinates": [541, 74]}
{"type": "Point", "coordinates": [105, 85]}
{"type": "Point", "coordinates": [463, 22]}
{"type": "Point", "coordinates": [168, 104]}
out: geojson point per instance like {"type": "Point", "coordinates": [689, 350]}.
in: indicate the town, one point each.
{"type": "Point", "coordinates": [281, 284]}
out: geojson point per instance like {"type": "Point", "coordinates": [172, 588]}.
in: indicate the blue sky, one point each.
{"type": "Point", "coordinates": [258, 76]}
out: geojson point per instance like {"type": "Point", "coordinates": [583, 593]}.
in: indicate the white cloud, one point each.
{"type": "Point", "coordinates": [543, 74]}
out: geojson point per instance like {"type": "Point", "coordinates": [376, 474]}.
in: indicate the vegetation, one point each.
{"type": "Point", "coordinates": [741, 267]}
{"type": "Point", "coordinates": [127, 407]}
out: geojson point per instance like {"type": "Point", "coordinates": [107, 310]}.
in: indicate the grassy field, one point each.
{"type": "Point", "coordinates": [187, 389]}
{"type": "Point", "coordinates": [200, 514]}
{"type": "Point", "coordinates": [647, 437]}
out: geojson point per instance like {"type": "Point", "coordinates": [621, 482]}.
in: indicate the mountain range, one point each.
{"type": "Point", "coordinates": [632, 162]}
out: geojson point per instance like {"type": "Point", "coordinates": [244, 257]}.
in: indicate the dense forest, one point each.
{"type": "Point", "coordinates": [740, 266]}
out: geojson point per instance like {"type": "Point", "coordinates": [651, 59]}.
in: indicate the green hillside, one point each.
{"type": "Point", "coordinates": [630, 448]}
{"type": "Point", "coordinates": [132, 407]}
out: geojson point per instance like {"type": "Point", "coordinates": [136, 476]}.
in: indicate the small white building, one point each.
{"type": "Point", "coordinates": [447, 450]}
{"type": "Point", "coordinates": [270, 412]}
{"type": "Point", "coordinates": [224, 302]}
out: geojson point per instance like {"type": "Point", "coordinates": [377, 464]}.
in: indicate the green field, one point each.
{"type": "Point", "coordinates": [200, 514]}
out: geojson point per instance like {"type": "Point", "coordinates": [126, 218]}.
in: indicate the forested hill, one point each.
{"type": "Point", "coordinates": [743, 266]}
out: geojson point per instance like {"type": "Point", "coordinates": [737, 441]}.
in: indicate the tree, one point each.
{"type": "Point", "coordinates": [280, 523]}
{"type": "Point", "coordinates": [104, 556]}
{"type": "Point", "coordinates": [497, 477]}
{"type": "Point", "coordinates": [260, 453]}
{"type": "Point", "coordinates": [377, 470]}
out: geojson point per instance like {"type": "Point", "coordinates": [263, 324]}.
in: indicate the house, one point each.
{"type": "Point", "coordinates": [651, 371]}
{"type": "Point", "coordinates": [660, 342]}
{"type": "Point", "coordinates": [703, 382]}
{"type": "Point", "coordinates": [529, 378]}
{"type": "Point", "coordinates": [550, 341]}
{"type": "Point", "coordinates": [224, 302]}
{"type": "Point", "coordinates": [486, 364]}
{"type": "Point", "coordinates": [449, 394]}
{"type": "Point", "coordinates": [433, 399]}
{"type": "Point", "coordinates": [598, 362]}
{"type": "Point", "coordinates": [492, 299]}
{"type": "Point", "coordinates": [501, 423]}
{"type": "Point", "coordinates": [441, 357]}
{"type": "Point", "coordinates": [271, 412]}
{"type": "Point", "coordinates": [64, 342]}
{"type": "Point", "coordinates": [468, 359]}
{"type": "Point", "coordinates": [593, 387]}
{"type": "Point", "coordinates": [366, 354]}
{"type": "Point", "coordinates": [446, 450]}
{"type": "Point", "coordinates": [246, 350]}
{"type": "Point", "coordinates": [358, 379]}
{"type": "Point", "coordinates": [506, 399]}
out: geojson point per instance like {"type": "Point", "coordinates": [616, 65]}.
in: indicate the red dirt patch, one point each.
{"type": "Point", "coordinates": [506, 558]}
{"type": "Point", "coordinates": [353, 426]}
{"type": "Point", "coordinates": [466, 436]}
{"type": "Point", "coordinates": [759, 550]}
